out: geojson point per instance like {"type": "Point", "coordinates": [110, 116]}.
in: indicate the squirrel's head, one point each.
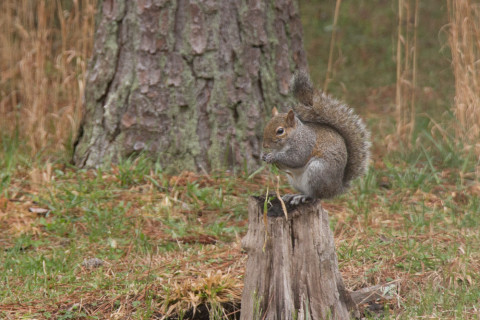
{"type": "Point", "coordinates": [278, 129]}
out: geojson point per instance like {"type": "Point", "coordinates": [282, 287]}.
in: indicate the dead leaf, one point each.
{"type": "Point", "coordinates": [39, 211]}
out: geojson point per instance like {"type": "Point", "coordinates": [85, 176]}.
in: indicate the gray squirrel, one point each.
{"type": "Point", "coordinates": [321, 144]}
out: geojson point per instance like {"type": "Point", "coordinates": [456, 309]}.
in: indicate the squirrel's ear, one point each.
{"type": "Point", "coordinates": [290, 118]}
{"type": "Point", "coordinates": [274, 112]}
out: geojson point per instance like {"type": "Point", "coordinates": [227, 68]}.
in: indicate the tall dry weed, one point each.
{"type": "Point", "coordinates": [332, 46]}
{"type": "Point", "coordinates": [44, 48]}
{"type": "Point", "coordinates": [464, 41]}
{"type": "Point", "coordinates": [406, 61]}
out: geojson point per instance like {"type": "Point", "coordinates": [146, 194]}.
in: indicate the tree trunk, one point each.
{"type": "Point", "coordinates": [292, 269]}
{"type": "Point", "coordinates": [188, 81]}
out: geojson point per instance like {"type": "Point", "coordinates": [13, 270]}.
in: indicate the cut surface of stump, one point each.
{"type": "Point", "coordinates": [292, 268]}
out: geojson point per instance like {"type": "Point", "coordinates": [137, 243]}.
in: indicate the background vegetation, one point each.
{"type": "Point", "coordinates": [167, 244]}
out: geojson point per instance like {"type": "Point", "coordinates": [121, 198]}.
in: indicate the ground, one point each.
{"type": "Point", "coordinates": [171, 243]}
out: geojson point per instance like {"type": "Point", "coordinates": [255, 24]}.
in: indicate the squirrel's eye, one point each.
{"type": "Point", "coordinates": [280, 131]}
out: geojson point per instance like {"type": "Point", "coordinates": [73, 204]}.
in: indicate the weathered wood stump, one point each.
{"type": "Point", "coordinates": [292, 268]}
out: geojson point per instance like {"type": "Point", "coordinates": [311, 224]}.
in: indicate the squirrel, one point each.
{"type": "Point", "coordinates": [321, 144]}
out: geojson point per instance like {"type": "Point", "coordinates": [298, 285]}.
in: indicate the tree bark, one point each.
{"type": "Point", "coordinates": [292, 269]}
{"type": "Point", "coordinates": [188, 81]}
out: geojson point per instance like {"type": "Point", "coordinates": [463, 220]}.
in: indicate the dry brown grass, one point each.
{"type": "Point", "coordinates": [43, 60]}
{"type": "Point", "coordinates": [464, 41]}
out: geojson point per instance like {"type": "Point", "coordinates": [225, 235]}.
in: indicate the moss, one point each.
{"type": "Point", "coordinates": [268, 81]}
{"type": "Point", "coordinates": [270, 24]}
{"type": "Point", "coordinates": [170, 36]}
{"type": "Point", "coordinates": [205, 65]}
{"type": "Point", "coordinates": [215, 151]}
{"type": "Point", "coordinates": [215, 31]}
{"type": "Point", "coordinates": [116, 103]}
{"type": "Point", "coordinates": [134, 26]}
{"type": "Point", "coordinates": [108, 56]}
{"type": "Point", "coordinates": [185, 145]}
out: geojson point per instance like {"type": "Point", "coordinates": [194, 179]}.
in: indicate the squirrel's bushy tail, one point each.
{"type": "Point", "coordinates": [318, 107]}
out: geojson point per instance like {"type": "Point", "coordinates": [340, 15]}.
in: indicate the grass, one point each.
{"type": "Point", "coordinates": [171, 244]}
{"type": "Point", "coordinates": [464, 39]}
{"type": "Point", "coordinates": [156, 234]}
{"type": "Point", "coordinates": [43, 62]}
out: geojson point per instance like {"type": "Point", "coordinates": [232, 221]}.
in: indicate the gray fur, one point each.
{"type": "Point", "coordinates": [329, 111]}
{"type": "Point", "coordinates": [327, 147]}
{"type": "Point", "coordinates": [294, 155]}
{"type": "Point", "coordinates": [320, 178]}
{"type": "Point", "coordinates": [313, 176]}
{"type": "Point", "coordinates": [302, 88]}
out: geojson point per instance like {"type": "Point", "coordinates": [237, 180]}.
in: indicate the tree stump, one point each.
{"type": "Point", "coordinates": [292, 268]}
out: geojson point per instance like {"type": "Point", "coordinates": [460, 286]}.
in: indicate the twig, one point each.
{"type": "Point", "coordinates": [277, 191]}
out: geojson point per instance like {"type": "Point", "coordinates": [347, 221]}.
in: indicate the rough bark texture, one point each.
{"type": "Point", "coordinates": [292, 272]}
{"type": "Point", "coordinates": [188, 80]}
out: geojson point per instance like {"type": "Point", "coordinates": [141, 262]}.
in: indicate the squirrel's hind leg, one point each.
{"type": "Point", "coordinates": [323, 178]}
{"type": "Point", "coordinates": [295, 199]}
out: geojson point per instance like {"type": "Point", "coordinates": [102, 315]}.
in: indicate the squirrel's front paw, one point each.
{"type": "Point", "coordinates": [268, 158]}
{"type": "Point", "coordinates": [296, 199]}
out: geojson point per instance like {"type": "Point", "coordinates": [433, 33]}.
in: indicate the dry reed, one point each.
{"type": "Point", "coordinates": [464, 41]}
{"type": "Point", "coordinates": [44, 49]}
{"type": "Point", "coordinates": [332, 46]}
{"type": "Point", "coordinates": [406, 61]}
